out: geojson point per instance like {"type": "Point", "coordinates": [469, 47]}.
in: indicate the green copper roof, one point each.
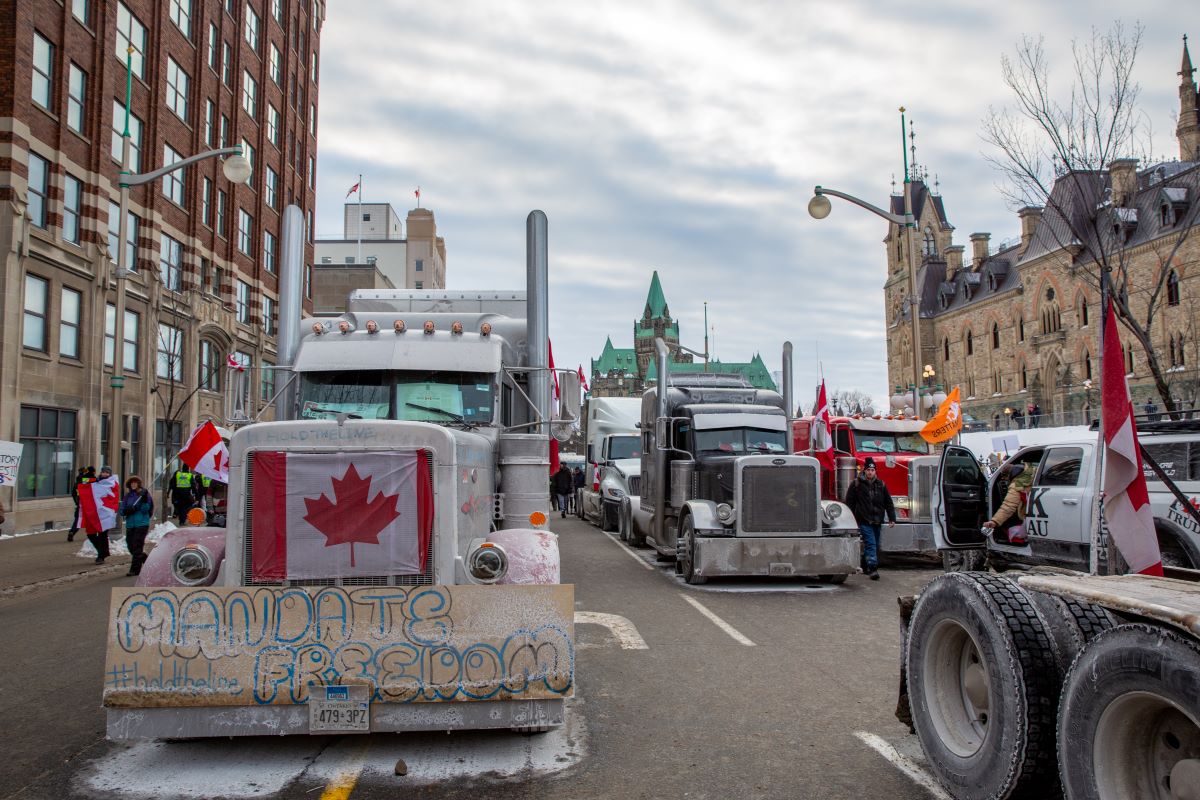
{"type": "Point", "coordinates": [755, 371]}
{"type": "Point", "coordinates": [615, 358]}
{"type": "Point", "coordinates": [643, 332]}
{"type": "Point", "coordinates": [656, 301]}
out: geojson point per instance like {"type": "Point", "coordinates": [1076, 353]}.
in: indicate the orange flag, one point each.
{"type": "Point", "coordinates": [946, 423]}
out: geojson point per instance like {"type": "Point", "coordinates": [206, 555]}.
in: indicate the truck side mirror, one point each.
{"type": "Point", "coordinates": [662, 433]}
{"type": "Point", "coordinates": [590, 454]}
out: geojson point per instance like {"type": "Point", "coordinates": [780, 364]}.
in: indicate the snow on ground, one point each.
{"type": "Point", "coordinates": [116, 546]}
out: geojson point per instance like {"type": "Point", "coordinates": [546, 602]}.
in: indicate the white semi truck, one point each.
{"type": "Point", "coordinates": [385, 564]}
{"type": "Point", "coordinates": [614, 446]}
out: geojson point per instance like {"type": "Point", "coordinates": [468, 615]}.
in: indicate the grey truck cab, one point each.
{"type": "Point", "coordinates": [1060, 502]}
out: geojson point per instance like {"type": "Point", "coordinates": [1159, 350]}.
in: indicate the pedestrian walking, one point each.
{"type": "Point", "coordinates": [138, 510]}
{"type": "Point", "coordinates": [563, 482]}
{"type": "Point", "coordinates": [871, 503]}
{"type": "Point", "coordinates": [100, 540]}
{"type": "Point", "coordinates": [183, 486]}
{"type": "Point", "coordinates": [81, 477]}
{"type": "Point", "coordinates": [1035, 415]}
{"type": "Point", "coordinates": [577, 483]}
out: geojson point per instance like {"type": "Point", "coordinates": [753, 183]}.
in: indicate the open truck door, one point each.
{"type": "Point", "coordinates": [959, 501]}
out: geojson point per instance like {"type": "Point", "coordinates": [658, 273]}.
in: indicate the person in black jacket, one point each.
{"type": "Point", "coordinates": [870, 502]}
{"type": "Point", "coordinates": [562, 484]}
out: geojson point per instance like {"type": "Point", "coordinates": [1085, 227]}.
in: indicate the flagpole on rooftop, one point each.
{"type": "Point", "coordinates": [358, 258]}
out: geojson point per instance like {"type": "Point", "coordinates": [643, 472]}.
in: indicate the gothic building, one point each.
{"type": "Point", "coordinates": [624, 372]}
{"type": "Point", "coordinates": [1018, 323]}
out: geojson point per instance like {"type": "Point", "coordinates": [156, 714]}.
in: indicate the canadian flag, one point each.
{"type": "Point", "coordinates": [1126, 500]}
{"type": "Point", "coordinates": [98, 502]}
{"type": "Point", "coordinates": [340, 515]}
{"type": "Point", "coordinates": [822, 430]}
{"type": "Point", "coordinates": [233, 363]}
{"type": "Point", "coordinates": [582, 380]}
{"type": "Point", "coordinates": [206, 454]}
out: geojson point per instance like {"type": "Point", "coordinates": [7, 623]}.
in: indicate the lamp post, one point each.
{"type": "Point", "coordinates": [819, 208]}
{"type": "Point", "coordinates": [236, 168]}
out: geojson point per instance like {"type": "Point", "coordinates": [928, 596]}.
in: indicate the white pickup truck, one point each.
{"type": "Point", "coordinates": [1061, 501]}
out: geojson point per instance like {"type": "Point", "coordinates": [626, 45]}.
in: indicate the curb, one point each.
{"type": "Point", "coordinates": [10, 592]}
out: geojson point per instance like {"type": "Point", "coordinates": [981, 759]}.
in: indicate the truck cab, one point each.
{"type": "Point", "coordinates": [1059, 504]}
{"type": "Point", "coordinates": [613, 454]}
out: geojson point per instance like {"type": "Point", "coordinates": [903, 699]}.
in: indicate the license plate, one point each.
{"type": "Point", "coordinates": [339, 709]}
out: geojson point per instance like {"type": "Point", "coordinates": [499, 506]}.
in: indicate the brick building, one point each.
{"type": "Point", "coordinates": [1019, 324]}
{"type": "Point", "coordinates": [205, 253]}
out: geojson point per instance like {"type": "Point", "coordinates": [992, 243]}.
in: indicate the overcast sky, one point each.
{"type": "Point", "coordinates": [686, 136]}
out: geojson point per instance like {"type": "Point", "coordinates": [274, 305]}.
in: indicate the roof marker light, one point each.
{"type": "Point", "coordinates": [485, 329]}
{"type": "Point", "coordinates": [429, 327]}
{"type": "Point", "coordinates": [456, 329]}
{"type": "Point", "coordinates": [372, 326]}
{"type": "Point", "coordinates": [318, 328]}
{"type": "Point", "coordinates": [398, 326]}
{"type": "Point", "coordinates": [344, 327]}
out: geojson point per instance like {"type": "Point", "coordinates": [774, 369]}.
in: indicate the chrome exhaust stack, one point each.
{"type": "Point", "coordinates": [789, 406]}
{"type": "Point", "coordinates": [662, 431]}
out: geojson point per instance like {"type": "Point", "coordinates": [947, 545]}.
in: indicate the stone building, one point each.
{"type": "Point", "coordinates": [624, 372]}
{"type": "Point", "coordinates": [1018, 324]}
{"type": "Point", "coordinates": [206, 74]}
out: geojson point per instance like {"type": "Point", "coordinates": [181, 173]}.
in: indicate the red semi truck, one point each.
{"type": "Point", "coordinates": [903, 460]}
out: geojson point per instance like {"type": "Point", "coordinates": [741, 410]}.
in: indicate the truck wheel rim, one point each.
{"type": "Point", "coordinates": [1142, 740]}
{"type": "Point", "coordinates": [958, 689]}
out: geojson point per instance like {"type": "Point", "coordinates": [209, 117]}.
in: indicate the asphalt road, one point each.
{"type": "Point", "coordinates": [736, 689]}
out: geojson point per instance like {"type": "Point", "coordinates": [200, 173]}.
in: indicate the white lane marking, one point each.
{"type": "Point", "coordinates": [720, 623]}
{"type": "Point", "coordinates": [626, 634]}
{"type": "Point", "coordinates": [632, 554]}
{"type": "Point", "coordinates": [903, 763]}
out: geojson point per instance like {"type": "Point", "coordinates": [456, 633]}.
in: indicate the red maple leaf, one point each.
{"type": "Point", "coordinates": [111, 500]}
{"type": "Point", "coordinates": [349, 517]}
{"type": "Point", "coordinates": [217, 461]}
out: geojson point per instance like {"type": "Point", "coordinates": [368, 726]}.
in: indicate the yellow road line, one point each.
{"type": "Point", "coordinates": [342, 784]}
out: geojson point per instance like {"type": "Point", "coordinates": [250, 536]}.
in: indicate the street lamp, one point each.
{"type": "Point", "coordinates": [236, 168]}
{"type": "Point", "coordinates": [819, 208]}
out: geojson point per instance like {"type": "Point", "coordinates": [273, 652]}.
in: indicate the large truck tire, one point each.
{"type": "Point", "coordinates": [1129, 721]}
{"type": "Point", "coordinates": [964, 560]}
{"type": "Point", "coordinates": [685, 560]}
{"type": "Point", "coordinates": [608, 516]}
{"type": "Point", "coordinates": [1070, 623]}
{"type": "Point", "coordinates": [623, 521]}
{"type": "Point", "coordinates": [983, 686]}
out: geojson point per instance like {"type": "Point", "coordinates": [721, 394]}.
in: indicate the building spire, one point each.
{"type": "Point", "coordinates": [656, 301]}
{"type": "Point", "coordinates": [1187, 70]}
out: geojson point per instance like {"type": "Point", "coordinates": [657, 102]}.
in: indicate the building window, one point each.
{"type": "Point", "coordinates": [177, 89]}
{"type": "Point", "coordinates": [210, 113]}
{"type": "Point", "coordinates": [131, 235]}
{"type": "Point", "coordinates": [269, 311]}
{"type": "Point", "coordinates": [131, 33]}
{"type": "Point", "coordinates": [269, 252]}
{"type": "Point", "coordinates": [1024, 377]}
{"type": "Point", "coordinates": [37, 299]}
{"type": "Point", "coordinates": [68, 322]}
{"type": "Point", "coordinates": [251, 28]}
{"type": "Point", "coordinates": [243, 302]}
{"type": "Point", "coordinates": [995, 336]}
{"type": "Point", "coordinates": [419, 285]}
{"type": "Point", "coordinates": [79, 9]}
{"type": "Point", "coordinates": [250, 95]}
{"type": "Point", "coordinates": [129, 349]}
{"type": "Point", "coordinates": [212, 46]}
{"type": "Point", "coordinates": [220, 212]}
{"type": "Point", "coordinates": [312, 173]}
{"type": "Point", "coordinates": [76, 97]}
{"type": "Point", "coordinates": [312, 119]}
{"type": "Point", "coordinates": [181, 15]}
{"type": "Point", "coordinates": [267, 383]}
{"type": "Point", "coordinates": [1087, 365]}
{"type": "Point", "coordinates": [171, 263]}
{"type": "Point", "coordinates": [1083, 312]}
{"type": "Point", "coordinates": [248, 154]}
{"type": "Point", "coordinates": [1173, 288]}
{"type": "Point", "coordinates": [170, 353]}
{"type": "Point", "coordinates": [206, 202]}
{"type": "Point", "coordinates": [930, 246]}
{"type": "Point", "coordinates": [210, 366]}
{"type": "Point", "coordinates": [277, 10]}
{"type": "Point", "coordinates": [245, 232]}
{"type": "Point", "coordinates": [275, 63]}
{"type": "Point", "coordinates": [173, 187]}
{"type": "Point", "coordinates": [135, 136]}
{"type": "Point", "coordinates": [945, 350]}
{"type": "Point", "coordinates": [168, 441]}
{"type": "Point", "coordinates": [39, 187]}
{"type": "Point", "coordinates": [970, 343]}
{"type": "Point", "coordinates": [43, 71]}
{"type": "Point", "coordinates": [48, 458]}
{"type": "Point", "coordinates": [272, 124]}
{"type": "Point", "coordinates": [314, 66]}
{"type": "Point", "coordinates": [216, 281]}
{"type": "Point", "coordinates": [420, 265]}
{"type": "Point", "coordinates": [1128, 353]}
{"type": "Point", "coordinates": [224, 140]}
{"type": "Point", "coordinates": [1020, 329]}
{"type": "Point", "coordinates": [72, 208]}
{"type": "Point", "coordinates": [226, 64]}
{"type": "Point", "coordinates": [1051, 318]}
{"type": "Point", "coordinates": [271, 188]}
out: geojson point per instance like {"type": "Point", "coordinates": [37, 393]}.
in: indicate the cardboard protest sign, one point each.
{"type": "Point", "coordinates": [10, 462]}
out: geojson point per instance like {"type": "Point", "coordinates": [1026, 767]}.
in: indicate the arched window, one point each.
{"type": "Point", "coordinates": [1128, 352]}
{"type": "Point", "coordinates": [1173, 289]}
{"type": "Point", "coordinates": [996, 382]}
{"type": "Point", "coordinates": [930, 242]}
{"type": "Point", "coordinates": [995, 336]}
{"type": "Point", "coordinates": [1083, 312]}
{"type": "Point", "coordinates": [1087, 365]}
{"type": "Point", "coordinates": [210, 366]}
{"type": "Point", "coordinates": [946, 349]}
{"type": "Point", "coordinates": [1051, 318]}
{"type": "Point", "coordinates": [1024, 377]}
{"type": "Point", "coordinates": [1020, 329]}
{"type": "Point", "coordinates": [970, 343]}
{"type": "Point", "coordinates": [1179, 347]}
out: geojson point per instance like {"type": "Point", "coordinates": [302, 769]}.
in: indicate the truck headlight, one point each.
{"type": "Point", "coordinates": [487, 563]}
{"type": "Point", "coordinates": [831, 512]}
{"type": "Point", "coordinates": [192, 565]}
{"type": "Point", "coordinates": [725, 513]}
{"type": "Point", "coordinates": [614, 492]}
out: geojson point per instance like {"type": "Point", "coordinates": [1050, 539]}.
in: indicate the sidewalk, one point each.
{"type": "Point", "coordinates": [47, 556]}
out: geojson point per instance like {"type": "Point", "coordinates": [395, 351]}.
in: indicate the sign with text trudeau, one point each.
{"type": "Point", "coordinates": [340, 515]}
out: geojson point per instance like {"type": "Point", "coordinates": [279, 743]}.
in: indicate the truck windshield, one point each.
{"type": "Point", "coordinates": [886, 442]}
{"type": "Point", "coordinates": [740, 440]}
{"type": "Point", "coordinates": [624, 447]}
{"type": "Point", "coordinates": [442, 397]}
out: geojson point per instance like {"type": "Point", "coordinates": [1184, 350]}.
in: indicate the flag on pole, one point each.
{"type": "Point", "coordinates": [418, 194]}
{"type": "Point", "coordinates": [583, 380]}
{"type": "Point", "coordinates": [353, 189]}
{"type": "Point", "coordinates": [98, 502]}
{"type": "Point", "coordinates": [1127, 510]}
{"type": "Point", "coordinates": [340, 515]}
{"type": "Point", "coordinates": [553, 407]}
{"type": "Point", "coordinates": [233, 363]}
{"type": "Point", "coordinates": [947, 422]}
{"type": "Point", "coordinates": [206, 454]}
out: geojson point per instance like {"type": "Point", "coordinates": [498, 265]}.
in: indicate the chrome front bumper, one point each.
{"type": "Point", "coordinates": [777, 556]}
{"type": "Point", "coordinates": [908, 537]}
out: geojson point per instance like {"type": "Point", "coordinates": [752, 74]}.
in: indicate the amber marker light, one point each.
{"type": "Point", "coordinates": [372, 326]}
{"type": "Point", "coordinates": [196, 517]}
{"type": "Point", "coordinates": [344, 327]}
{"type": "Point", "coordinates": [318, 328]}
{"type": "Point", "coordinates": [485, 329]}
{"type": "Point", "coordinates": [429, 328]}
{"type": "Point", "coordinates": [456, 329]}
{"type": "Point", "coordinates": [537, 519]}
{"type": "Point", "coordinates": [398, 326]}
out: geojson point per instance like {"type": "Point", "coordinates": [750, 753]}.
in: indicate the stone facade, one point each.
{"type": "Point", "coordinates": [417, 261]}
{"type": "Point", "coordinates": [1019, 324]}
{"type": "Point", "coordinates": [205, 252]}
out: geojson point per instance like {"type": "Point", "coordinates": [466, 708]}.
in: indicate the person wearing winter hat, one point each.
{"type": "Point", "coordinates": [138, 510]}
{"type": "Point", "coordinates": [871, 503]}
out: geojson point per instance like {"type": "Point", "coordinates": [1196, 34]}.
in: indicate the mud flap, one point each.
{"type": "Point", "coordinates": [903, 711]}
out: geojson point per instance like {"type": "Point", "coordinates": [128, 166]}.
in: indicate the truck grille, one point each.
{"type": "Point", "coordinates": [423, 579]}
{"type": "Point", "coordinates": [779, 499]}
{"type": "Point", "coordinates": [635, 485]}
{"type": "Point", "coordinates": [920, 495]}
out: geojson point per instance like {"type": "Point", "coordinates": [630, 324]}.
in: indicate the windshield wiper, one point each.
{"type": "Point", "coordinates": [459, 418]}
